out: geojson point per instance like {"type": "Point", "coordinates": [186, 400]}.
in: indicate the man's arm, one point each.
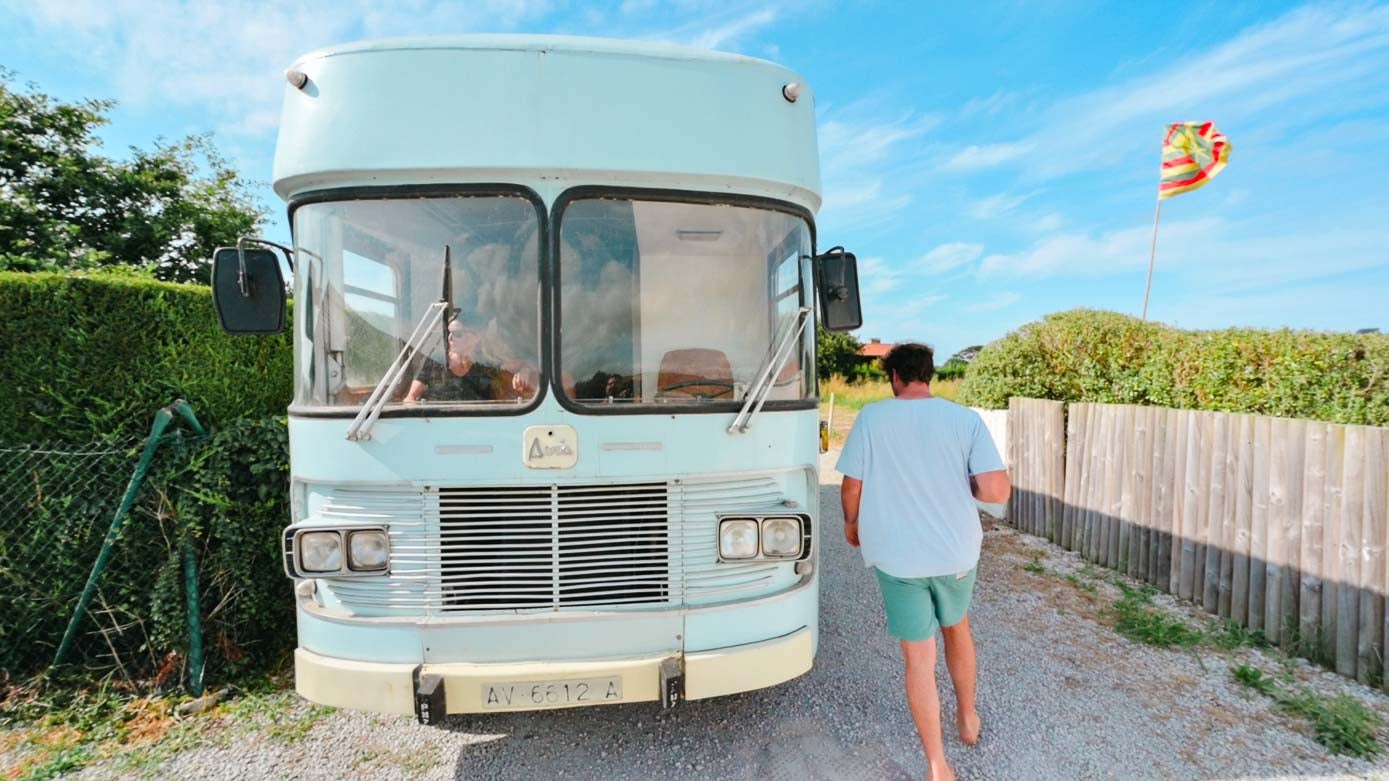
{"type": "Point", "coordinates": [416, 392]}
{"type": "Point", "coordinates": [991, 487]}
{"type": "Point", "coordinates": [850, 492]}
{"type": "Point", "coordinates": [525, 380]}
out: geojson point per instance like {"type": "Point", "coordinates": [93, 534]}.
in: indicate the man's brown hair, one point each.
{"type": "Point", "coordinates": [913, 362]}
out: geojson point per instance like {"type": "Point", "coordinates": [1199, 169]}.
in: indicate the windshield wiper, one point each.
{"type": "Point", "coordinates": [425, 330]}
{"type": "Point", "coordinates": [426, 333]}
{"type": "Point", "coordinates": [766, 377]}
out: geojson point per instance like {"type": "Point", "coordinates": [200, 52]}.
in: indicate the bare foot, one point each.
{"type": "Point", "coordinates": [969, 728]}
{"type": "Point", "coordinates": [942, 772]}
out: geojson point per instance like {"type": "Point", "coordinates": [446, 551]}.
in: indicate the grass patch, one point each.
{"type": "Point", "coordinates": [51, 727]}
{"type": "Point", "coordinates": [1136, 619]}
{"type": "Point", "coordinates": [1341, 723]}
{"type": "Point", "coordinates": [1231, 636]}
{"type": "Point", "coordinates": [857, 395]}
{"type": "Point", "coordinates": [852, 395]}
{"type": "Point", "coordinates": [1035, 565]}
{"type": "Point", "coordinates": [56, 727]}
{"type": "Point", "coordinates": [1254, 678]}
{"type": "Point", "coordinates": [1082, 585]}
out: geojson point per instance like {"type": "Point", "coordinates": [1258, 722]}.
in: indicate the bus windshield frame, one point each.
{"type": "Point", "coordinates": [504, 330]}
{"type": "Point", "coordinates": [674, 253]}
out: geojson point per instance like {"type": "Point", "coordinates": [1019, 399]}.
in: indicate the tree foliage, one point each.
{"type": "Point", "coordinates": [835, 353]}
{"type": "Point", "coordinates": [65, 206]}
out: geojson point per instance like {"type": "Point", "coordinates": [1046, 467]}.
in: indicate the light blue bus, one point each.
{"type": "Point", "coordinates": [554, 434]}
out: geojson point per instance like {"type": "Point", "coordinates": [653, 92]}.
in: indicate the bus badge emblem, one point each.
{"type": "Point", "coordinates": [550, 447]}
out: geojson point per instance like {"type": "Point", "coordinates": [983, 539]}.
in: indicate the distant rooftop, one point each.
{"type": "Point", "coordinates": [875, 349]}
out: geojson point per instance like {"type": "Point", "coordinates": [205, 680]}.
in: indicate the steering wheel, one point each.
{"type": "Point", "coordinates": [727, 388]}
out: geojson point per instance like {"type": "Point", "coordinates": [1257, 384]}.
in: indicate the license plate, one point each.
{"type": "Point", "coordinates": [540, 694]}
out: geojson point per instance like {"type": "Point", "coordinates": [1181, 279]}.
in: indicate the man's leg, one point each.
{"type": "Point", "coordinates": [959, 658]}
{"type": "Point", "coordinates": [924, 701]}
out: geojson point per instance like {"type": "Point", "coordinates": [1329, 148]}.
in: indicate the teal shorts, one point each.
{"type": "Point", "coordinates": [916, 607]}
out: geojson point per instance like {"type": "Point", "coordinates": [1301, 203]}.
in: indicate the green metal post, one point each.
{"type": "Point", "coordinates": [190, 576]}
{"type": "Point", "coordinates": [161, 422]}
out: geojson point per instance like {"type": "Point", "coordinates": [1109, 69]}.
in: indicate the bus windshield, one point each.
{"type": "Point", "coordinates": [368, 272]}
{"type": "Point", "coordinates": [671, 303]}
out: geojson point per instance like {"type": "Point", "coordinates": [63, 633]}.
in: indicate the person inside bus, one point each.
{"type": "Point", "coordinates": [467, 375]}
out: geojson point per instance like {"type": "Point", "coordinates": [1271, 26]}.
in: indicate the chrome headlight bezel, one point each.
{"type": "Point", "coordinates": [759, 520]}
{"type": "Point", "coordinates": [293, 552]}
{"type": "Point", "coordinates": [739, 522]}
{"type": "Point", "coordinates": [355, 559]}
{"type": "Point", "coordinates": [798, 533]}
{"type": "Point", "coordinates": [306, 543]}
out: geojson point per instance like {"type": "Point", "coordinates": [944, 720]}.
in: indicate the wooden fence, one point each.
{"type": "Point", "coordinates": [1278, 525]}
{"type": "Point", "coordinates": [1036, 460]}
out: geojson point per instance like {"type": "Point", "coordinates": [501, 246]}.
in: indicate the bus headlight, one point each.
{"type": "Point", "coordinates": [368, 550]}
{"type": "Point", "coordinates": [315, 551]}
{"type": "Point", "coordinates": [320, 551]}
{"type": "Point", "coordinates": [756, 537]}
{"type": "Point", "coordinates": [738, 538]}
{"type": "Point", "coordinates": [781, 537]}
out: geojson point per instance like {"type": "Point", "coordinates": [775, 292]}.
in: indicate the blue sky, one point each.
{"type": "Point", "coordinates": [989, 163]}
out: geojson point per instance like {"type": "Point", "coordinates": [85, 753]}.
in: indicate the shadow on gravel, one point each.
{"type": "Point", "coordinates": [756, 735]}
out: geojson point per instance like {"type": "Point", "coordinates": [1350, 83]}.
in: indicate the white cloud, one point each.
{"type": "Point", "coordinates": [876, 278]}
{"type": "Point", "coordinates": [698, 23]}
{"type": "Point", "coordinates": [996, 302]}
{"type": "Point", "coordinates": [1047, 223]}
{"type": "Point", "coordinates": [1220, 255]}
{"type": "Point", "coordinates": [948, 257]}
{"type": "Point", "coordinates": [227, 57]}
{"type": "Point", "coordinates": [989, 106]}
{"type": "Point", "coordinates": [861, 152]}
{"type": "Point", "coordinates": [734, 32]}
{"type": "Point", "coordinates": [1083, 254]}
{"type": "Point", "coordinates": [999, 205]}
{"type": "Point", "coordinates": [987, 155]}
{"type": "Point", "coordinates": [1321, 57]}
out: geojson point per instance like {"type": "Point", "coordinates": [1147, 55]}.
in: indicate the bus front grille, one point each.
{"type": "Point", "coordinates": [553, 546]}
{"type": "Point", "coordinates": [545, 548]}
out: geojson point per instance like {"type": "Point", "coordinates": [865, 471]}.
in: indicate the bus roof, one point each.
{"type": "Point", "coordinates": [549, 112]}
{"type": "Point", "coordinates": [532, 43]}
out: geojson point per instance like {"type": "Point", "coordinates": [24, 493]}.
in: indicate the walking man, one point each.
{"type": "Point", "coordinates": [913, 466]}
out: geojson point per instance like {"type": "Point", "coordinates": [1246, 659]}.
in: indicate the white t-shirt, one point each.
{"type": "Point", "coordinates": [917, 517]}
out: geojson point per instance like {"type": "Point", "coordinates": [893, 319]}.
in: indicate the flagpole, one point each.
{"type": "Point", "coordinates": [1152, 255]}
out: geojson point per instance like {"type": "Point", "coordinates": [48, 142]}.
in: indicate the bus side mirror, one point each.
{"type": "Point", "coordinates": [837, 279]}
{"type": "Point", "coordinates": [248, 290]}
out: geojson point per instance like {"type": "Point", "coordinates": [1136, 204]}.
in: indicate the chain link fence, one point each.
{"type": "Point", "coordinates": [56, 506]}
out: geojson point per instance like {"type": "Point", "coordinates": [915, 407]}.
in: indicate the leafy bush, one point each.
{"type": "Point", "coordinates": [953, 369]}
{"type": "Point", "coordinates": [229, 492]}
{"type": "Point", "coordinates": [232, 494]}
{"type": "Point", "coordinates": [91, 357]}
{"type": "Point", "coordinates": [1085, 355]}
{"type": "Point", "coordinates": [835, 352]}
{"type": "Point", "coordinates": [868, 371]}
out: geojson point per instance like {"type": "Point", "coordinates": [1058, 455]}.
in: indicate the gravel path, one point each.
{"type": "Point", "coordinates": [1061, 695]}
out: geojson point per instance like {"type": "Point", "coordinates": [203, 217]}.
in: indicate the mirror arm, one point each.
{"type": "Point", "coordinates": [242, 282]}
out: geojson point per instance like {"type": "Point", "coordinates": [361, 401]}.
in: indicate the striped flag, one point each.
{"type": "Point", "coordinates": [1192, 154]}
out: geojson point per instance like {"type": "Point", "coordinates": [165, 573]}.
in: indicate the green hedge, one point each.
{"type": "Point", "coordinates": [94, 356]}
{"type": "Point", "coordinates": [1086, 355]}
{"type": "Point", "coordinates": [89, 360]}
